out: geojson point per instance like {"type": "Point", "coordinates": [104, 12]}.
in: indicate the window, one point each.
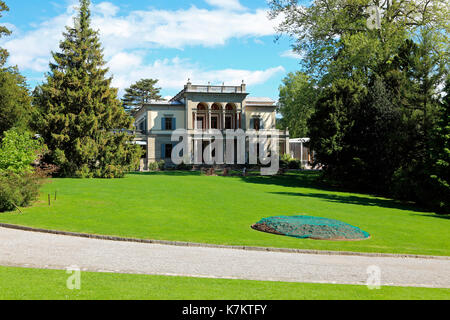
{"type": "Point", "coordinates": [214, 122]}
{"type": "Point", "coordinates": [168, 150]}
{"type": "Point", "coordinates": [256, 123]}
{"type": "Point", "coordinates": [168, 123]}
{"type": "Point", "coordinates": [228, 122]}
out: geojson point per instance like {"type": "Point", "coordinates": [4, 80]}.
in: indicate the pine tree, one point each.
{"type": "Point", "coordinates": [82, 120]}
{"type": "Point", "coordinates": [141, 93]}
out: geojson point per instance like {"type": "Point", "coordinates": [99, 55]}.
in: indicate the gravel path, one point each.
{"type": "Point", "coordinates": [40, 250]}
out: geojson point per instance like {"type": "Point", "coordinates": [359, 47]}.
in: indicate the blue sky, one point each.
{"type": "Point", "coordinates": [205, 40]}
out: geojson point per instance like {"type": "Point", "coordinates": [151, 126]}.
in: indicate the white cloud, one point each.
{"type": "Point", "coordinates": [173, 74]}
{"type": "Point", "coordinates": [106, 9]}
{"type": "Point", "coordinates": [31, 50]}
{"type": "Point", "coordinates": [127, 39]}
{"type": "Point", "coordinates": [291, 54]}
{"type": "Point", "coordinates": [10, 27]}
{"type": "Point", "coordinates": [141, 30]}
{"type": "Point", "coordinates": [226, 4]}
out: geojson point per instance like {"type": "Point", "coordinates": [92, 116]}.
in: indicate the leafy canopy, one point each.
{"type": "Point", "coordinates": [18, 150]}
{"type": "Point", "coordinates": [15, 101]}
{"type": "Point", "coordinates": [297, 99]}
{"type": "Point", "coordinates": [335, 38]}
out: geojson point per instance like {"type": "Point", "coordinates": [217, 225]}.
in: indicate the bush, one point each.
{"type": "Point", "coordinates": [157, 166]}
{"type": "Point", "coordinates": [153, 166]}
{"type": "Point", "coordinates": [18, 150]}
{"type": "Point", "coordinates": [284, 160]}
{"type": "Point", "coordinates": [287, 162]}
{"type": "Point", "coordinates": [295, 164]}
{"type": "Point", "coordinates": [19, 180]}
{"type": "Point", "coordinates": [18, 189]}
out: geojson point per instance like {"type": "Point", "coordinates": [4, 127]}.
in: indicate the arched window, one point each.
{"type": "Point", "coordinates": [230, 107]}
{"type": "Point", "coordinates": [216, 107]}
{"type": "Point", "coordinates": [202, 107]}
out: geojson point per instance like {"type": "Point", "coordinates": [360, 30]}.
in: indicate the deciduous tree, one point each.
{"type": "Point", "coordinates": [297, 100]}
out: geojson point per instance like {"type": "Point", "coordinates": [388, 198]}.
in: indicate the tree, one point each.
{"type": "Point", "coordinates": [3, 31]}
{"type": "Point", "coordinates": [336, 40]}
{"type": "Point", "coordinates": [18, 150]}
{"type": "Point", "coordinates": [331, 126]}
{"type": "Point", "coordinates": [19, 184]}
{"type": "Point", "coordinates": [418, 73]}
{"type": "Point", "coordinates": [297, 99]}
{"type": "Point", "coordinates": [81, 119]}
{"type": "Point", "coordinates": [375, 123]}
{"type": "Point", "coordinates": [141, 93]}
{"type": "Point", "coordinates": [377, 138]}
{"type": "Point", "coordinates": [15, 101]}
{"type": "Point", "coordinates": [441, 158]}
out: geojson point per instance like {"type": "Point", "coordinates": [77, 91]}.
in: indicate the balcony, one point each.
{"type": "Point", "coordinates": [215, 89]}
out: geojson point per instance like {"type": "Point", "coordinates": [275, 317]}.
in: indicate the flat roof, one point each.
{"type": "Point", "coordinates": [264, 101]}
{"type": "Point", "coordinates": [164, 103]}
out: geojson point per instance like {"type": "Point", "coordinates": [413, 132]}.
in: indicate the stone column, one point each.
{"type": "Point", "coordinates": [240, 120]}
{"type": "Point", "coordinates": [224, 116]}
{"type": "Point", "coordinates": [195, 120]}
{"type": "Point", "coordinates": [209, 124]}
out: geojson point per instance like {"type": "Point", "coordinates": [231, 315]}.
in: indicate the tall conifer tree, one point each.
{"type": "Point", "coordinates": [82, 119]}
{"type": "Point", "coordinates": [140, 94]}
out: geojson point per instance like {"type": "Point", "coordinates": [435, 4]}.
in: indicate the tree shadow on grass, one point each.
{"type": "Point", "coordinates": [306, 179]}
{"type": "Point", "coordinates": [360, 200]}
{"type": "Point", "coordinates": [166, 173]}
{"type": "Point", "coordinates": [309, 179]}
{"type": "Point", "coordinates": [302, 179]}
{"type": "Point", "coordinates": [437, 215]}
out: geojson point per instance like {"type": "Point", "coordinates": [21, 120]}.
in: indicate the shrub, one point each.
{"type": "Point", "coordinates": [295, 164]}
{"type": "Point", "coordinates": [287, 162]}
{"type": "Point", "coordinates": [153, 166]}
{"type": "Point", "coordinates": [18, 150]}
{"type": "Point", "coordinates": [19, 181]}
{"type": "Point", "coordinates": [157, 166]}
{"type": "Point", "coordinates": [284, 160]}
{"type": "Point", "coordinates": [161, 165]}
{"type": "Point", "coordinates": [18, 189]}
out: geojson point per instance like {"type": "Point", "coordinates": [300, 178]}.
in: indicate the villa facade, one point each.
{"type": "Point", "coordinates": [203, 107]}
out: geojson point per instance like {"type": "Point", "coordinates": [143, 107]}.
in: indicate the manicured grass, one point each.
{"type": "Point", "coordinates": [190, 207]}
{"type": "Point", "coordinates": [35, 284]}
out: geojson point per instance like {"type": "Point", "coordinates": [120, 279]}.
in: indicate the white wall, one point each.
{"type": "Point", "coordinates": [267, 115]}
{"type": "Point", "coordinates": [155, 116]}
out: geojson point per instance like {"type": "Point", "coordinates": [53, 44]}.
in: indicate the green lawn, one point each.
{"type": "Point", "coordinates": [190, 207]}
{"type": "Point", "coordinates": [35, 284]}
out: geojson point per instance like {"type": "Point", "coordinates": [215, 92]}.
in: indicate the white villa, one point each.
{"type": "Point", "coordinates": [202, 107]}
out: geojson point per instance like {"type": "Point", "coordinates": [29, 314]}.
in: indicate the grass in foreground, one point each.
{"type": "Point", "coordinates": [36, 284]}
{"type": "Point", "coordinates": [189, 207]}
